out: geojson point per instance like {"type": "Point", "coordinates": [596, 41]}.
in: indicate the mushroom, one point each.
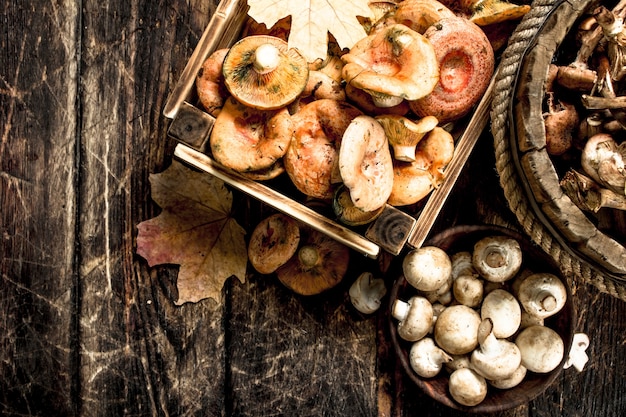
{"type": "Point", "coordinates": [392, 64]}
{"type": "Point", "coordinates": [210, 83]}
{"type": "Point", "coordinates": [577, 356]}
{"type": "Point", "coordinates": [561, 120]}
{"type": "Point", "coordinates": [419, 15]}
{"type": "Point", "coordinates": [468, 290]}
{"type": "Point", "coordinates": [247, 139]}
{"type": "Point", "coordinates": [494, 358]}
{"type": "Point", "coordinates": [542, 294]}
{"type": "Point", "coordinates": [365, 163]}
{"type": "Point", "coordinates": [347, 213]}
{"type": "Point", "coordinates": [319, 264]}
{"type": "Point", "coordinates": [458, 362]}
{"type": "Point", "coordinates": [511, 381]}
{"type": "Point", "coordinates": [488, 12]}
{"type": "Point", "coordinates": [603, 160]}
{"type": "Point", "coordinates": [467, 387]}
{"type": "Point", "coordinates": [466, 64]}
{"type": "Point", "coordinates": [365, 102]}
{"type": "Point", "coordinates": [263, 72]}
{"type": "Point", "coordinates": [414, 316]}
{"type": "Point", "coordinates": [456, 329]}
{"type": "Point", "coordinates": [404, 134]}
{"type": "Point", "coordinates": [497, 258]}
{"type": "Point", "coordinates": [426, 358]}
{"type": "Point", "coordinates": [321, 85]}
{"type": "Point", "coordinates": [503, 309]}
{"type": "Point", "coordinates": [415, 180]}
{"type": "Point", "coordinates": [273, 242]}
{"type": "Point", "coordinates": [312, 158]}
{"type": "Point", "coordinates": [427, 268]}
{"type": "Point", "coordinates": [541, 347]}
{"type": "Point", "coordinates": [367, 292]}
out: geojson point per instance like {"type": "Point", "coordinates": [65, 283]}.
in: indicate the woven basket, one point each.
{"type": "Point", "coordinates": [549, 220]}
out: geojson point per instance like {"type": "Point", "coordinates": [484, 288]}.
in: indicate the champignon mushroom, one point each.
{"type": "Point", "coordinates": [603, 160]}
{"type": "Point", "coordinates": [456, 329]}
{"type": "Point", "coordinates": [426, 358]}
{"type": "Point", "coordinates": [273, 242]}
{"type": "Point", "coordinates": [312, 158]}
{"type": "Point", "coordinates": [367, 292]}
{"type": "Point", "coordinates": [467, 387]}
{"type": "Point", "coordinates": [511, 381]}
{"type": "Point", "coordinates": [466, 63]}
{"type": "Point", "coordinates": [497, 258]}
{"type": "Point", "coordinates": [577, 356]}
{"type": "Point", "coordinates": [319, 264]}
{"type": "Point", "coordinates": [415, 180]}
{"type": "Point", "coordinates": [468, 290]}
{"type": "Point", "coordinates": [427, 268]}
{"type": "Point", "coordinates": [365, 163]}
{"type": "Point", "coordinates": [263, 72]}
{"type": "Point", "coordinates": [247, 139]}
{"type": "Point", "coordinates": [542, 294]}
{"type": "Point", "coordinates": [503, 309]}
{"type": "Point", "coordinates": [404, 134]}
{"type": "Point", "coordinates": [392, 64]}
{"type": "Point", "coordinates": [210, 83]}
{"type": "Point", "coordinates": [541, 347]}
{"type": "Point", "coordinates": [494, 358]}
{"type": "Point", "coordinates": [414, 316]}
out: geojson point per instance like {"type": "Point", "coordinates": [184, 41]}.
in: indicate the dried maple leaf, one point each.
{"type": "Point", "coordinates": [312, 20]}
{"type": "Point", "coordinates": [194, 230]}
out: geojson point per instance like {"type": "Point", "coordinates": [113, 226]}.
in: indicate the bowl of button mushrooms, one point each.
{"type": "Point", "coordinates": [481, 319]}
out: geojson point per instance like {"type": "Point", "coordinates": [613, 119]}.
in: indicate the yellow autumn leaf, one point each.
{"type": "Point", "coordinates": [312, 20]}
{"type": "Point", "coordinates": [196, 231]}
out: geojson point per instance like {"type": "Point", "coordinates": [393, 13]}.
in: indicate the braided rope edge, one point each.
{"type": "Point", "coordinates": [510, 180]}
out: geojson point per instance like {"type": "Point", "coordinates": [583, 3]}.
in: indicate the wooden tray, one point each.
{"type": "Point", "coordinates": [191, 127]}
{"type": "Point", "coordinates": [577, 231]}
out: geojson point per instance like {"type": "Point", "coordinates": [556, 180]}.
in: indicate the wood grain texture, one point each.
{"type": "Point", "coordinates": [88, 329]}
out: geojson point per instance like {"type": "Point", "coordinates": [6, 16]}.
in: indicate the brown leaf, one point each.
{"type": "Point", "coordinates": [312, 20]}
{"type": "Point", "coordinates": [194, 230]}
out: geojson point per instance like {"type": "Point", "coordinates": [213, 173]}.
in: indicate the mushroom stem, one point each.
{"type": "Point", "coordinates": [309, 256]}
{"type": "Point", "coordinates": [600, 103]}
{"type": "Point", "coordinates": [588, 195]}
{"type": "Point", "coordinates": [266, 58]}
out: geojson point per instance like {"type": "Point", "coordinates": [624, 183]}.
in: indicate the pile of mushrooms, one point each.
{"type": "Point", "coordinates": [373, 121]}
{"type": "Point", "coordinates": [480, 316]}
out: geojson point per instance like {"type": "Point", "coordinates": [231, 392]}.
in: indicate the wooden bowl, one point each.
{"type": "Point", "coordinates": [463, 238]}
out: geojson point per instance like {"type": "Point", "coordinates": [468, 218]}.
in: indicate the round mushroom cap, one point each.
{"type": "Point", "coordinates": [319, 264]}
{"type": "Point", "coordinates": [393, 62]}
{"type": "Point", "coordinates": [273, 242]}
{"type": "Point", "coordinates": [541, 347]}
{"type": "Point", "coordinates": [312, 158]}
{"type": "Point", "coordinates": [466, 63]}
{"type": "Point", "coordinates": [210, 83]}
{"type": "Point", "coordinates": [248, 139]}
{"type": "Point", "coordinates": [365, 163]}
{"type": "Point", "coordinates": [456, 329]}
{"type": "Point", "coordinates": [263, 72]}
{"type": "Point", "coordinates": [497, 258]}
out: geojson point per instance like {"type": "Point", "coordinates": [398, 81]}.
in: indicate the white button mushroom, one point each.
{"type": "Point", "coordinates": [426, 358]}
{"type": "Point", "coordinates": [512, 381]}
{"type": "Point", "coordinates": [542, 294]}
{"type": "Point", "coordinates": [497, 258]}
{"type": "Point", "coordinates": [456, 329]}
{"type": "Point", "coordinates": [367, 292]}
{"type": "Point", "coordinates": [427, 268]}
{"type": "Point", "coordinates": [504, 311]}
{"type": "Point", "coordinates": [494, 358]}
{"type": "Point", "coordinates": [415, 317]}
{"type": "Point", "coordinates": [541, 347]}
{"type": "Point", "coordinates": [468, 290]}
{"type": "Point", "coordinates": [467, 387]}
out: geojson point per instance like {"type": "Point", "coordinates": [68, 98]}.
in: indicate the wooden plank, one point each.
{"type": "Point", "coordinates": [38, 120]}
{"type": "Point", "coordinates": [140, 355]}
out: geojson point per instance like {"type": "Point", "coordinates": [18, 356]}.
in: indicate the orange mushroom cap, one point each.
{"type": "Point", "coordinates": [273, 242]}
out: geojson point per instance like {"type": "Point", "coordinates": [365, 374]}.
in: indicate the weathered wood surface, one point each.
{"type": "Point", "coordinates": [88, 329]}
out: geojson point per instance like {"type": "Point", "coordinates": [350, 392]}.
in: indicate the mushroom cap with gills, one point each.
{"type": "Point", "coordinates": [419, 15]}
{"type": "Point", "coordinates": [365, 163]}
{"type": "Point", "coordinates": [319, 264]}
{"type": "Point", "coordinates": [273, 242]}
{"type": "Point", "coordinates": [497, 258]}
{"type": "Point", "coordinates": [210, 83]}
{"type": "Point", "coordinates": [246, 139]}
{"type": "Point", "coordinates": [404, 134]}
{"type": "Point", "coordinates": [262, 72]}
{"type": "Point", "coordinates": [466, 63]}
{"type": "Point", "coordinates": [312, 158]}
{"type": "Point", "coordinates": [392, 64]}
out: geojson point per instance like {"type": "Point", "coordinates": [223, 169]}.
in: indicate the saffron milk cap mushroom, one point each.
{"type": "Point", "coordinates": [392, 64]}
{"type": "Point", "coordinates": [419, 15]}
{"type": "Point", "coordinates": [273, 242]}
{"type": "Point", "coordinates": [262, 72]}
{"type": "Point", "coordinates": [210, 83]}
{"type": "Point", "coordinates": [404, 134]}
{"type": "Point", "coordinates": [365, 163]}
